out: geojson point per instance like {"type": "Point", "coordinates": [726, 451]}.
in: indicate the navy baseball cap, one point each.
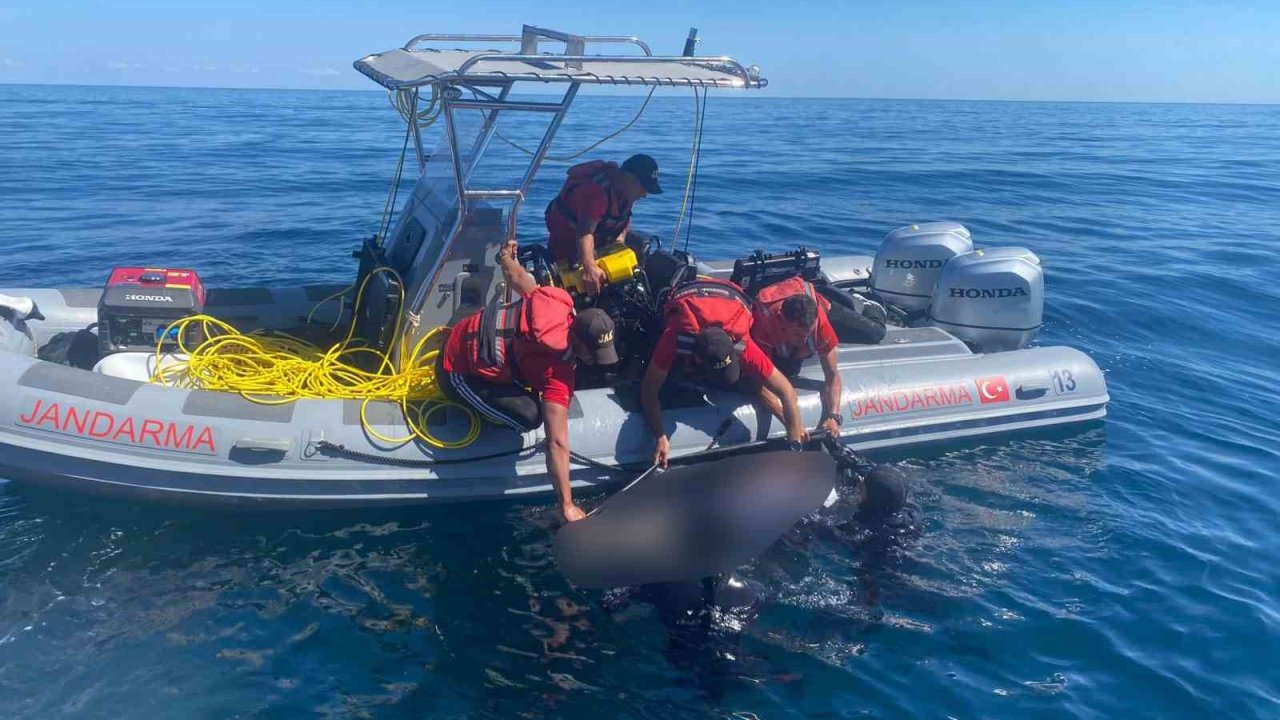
{"type": "Point", "coordinates": [644, 169]}
{"type": "Point", "coordinates": [717, 357]}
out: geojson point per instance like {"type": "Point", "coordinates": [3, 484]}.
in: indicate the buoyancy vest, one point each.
{"type": "Point", "coordinates": [541, 319]}
{"type": "Point", "coordinates": [768, 310]}
{"type": "Point", "coordinates": [617, 213]}
{"type": "Point", "coordinates": [700, 304]}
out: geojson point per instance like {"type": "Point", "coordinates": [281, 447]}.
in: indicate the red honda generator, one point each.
{"type": "Point", "coordinates": [139, 303]}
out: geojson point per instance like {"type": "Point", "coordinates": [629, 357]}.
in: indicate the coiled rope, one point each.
{"type": "Point", "coordinates": [273, 368]}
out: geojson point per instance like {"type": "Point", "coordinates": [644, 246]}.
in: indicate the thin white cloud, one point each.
{"type": "Point", "coordinates": [117, 65]}
{"type": "Point", "coordinates": [320, 72]}
{"type": "Point", "coordinates": [9, 62]}
{"type": "Point", "coordinates": [206, 68]}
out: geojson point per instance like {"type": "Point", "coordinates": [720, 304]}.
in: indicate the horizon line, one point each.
{"type": "Point", "coordinates": [727, 91]}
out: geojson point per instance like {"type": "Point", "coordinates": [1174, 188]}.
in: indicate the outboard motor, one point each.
{"type": "Point", "coordinates": [911, 258]}
{"type": "Point", "coordinates": [992, 299]}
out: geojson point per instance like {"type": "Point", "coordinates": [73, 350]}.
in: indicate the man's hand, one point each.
{"type": "Point", "coordinates": [571, 513]}
{"type": "Point", "coordinates": [661, 450]}
{"type": "Point", "coordinates": [522, 283]}
{"type": "Point", "coordinates": [509, 250]}
{"type": "Point", "coordinates": [831, 426]}
{"type": "Point", "coordinates": [594, 278]}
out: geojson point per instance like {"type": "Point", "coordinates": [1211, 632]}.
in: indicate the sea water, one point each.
{"type": "Point", "coordinates": [1123, 570]}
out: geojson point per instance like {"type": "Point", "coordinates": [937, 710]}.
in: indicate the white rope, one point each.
{"type": "Point", "coordinates": [592, 146]}
{"type": "Point", "coordinates": [403, 103]}
{"type": "Point", "coordinates": [693, 163]}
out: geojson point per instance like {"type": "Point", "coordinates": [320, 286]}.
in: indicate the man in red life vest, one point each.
{"type": "Point", "coordinates": [593, 210]}
{"type": "Point", "coordinates": [514, 364]}
{"type": "Point", "coordinates": [790, 324]}
{"type": "Point", "coordinates": [708, 331]}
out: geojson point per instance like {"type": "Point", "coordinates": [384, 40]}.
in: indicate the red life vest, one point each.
{"type": "Point", "coordinates": [495, 337]}
{"type": "Point", "coordinates": [700, 304]}
{"type": "Point", "coordinates": [768, 313]}
{"type": "Point", "coordinates": [616, 215]}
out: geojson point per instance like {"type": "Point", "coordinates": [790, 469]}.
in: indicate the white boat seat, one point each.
{"type": "Point", "coordinates": [135, 365]}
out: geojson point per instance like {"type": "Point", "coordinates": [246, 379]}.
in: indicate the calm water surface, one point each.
{"type": "Point", "coordinates": [1127, 570]}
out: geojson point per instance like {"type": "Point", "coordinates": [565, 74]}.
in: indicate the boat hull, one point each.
{"type": "Point", "coordinates": [74, 430]}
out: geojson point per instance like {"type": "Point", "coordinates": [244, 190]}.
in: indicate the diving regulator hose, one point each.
{"type": "Point", "coordinates": [274, 368]}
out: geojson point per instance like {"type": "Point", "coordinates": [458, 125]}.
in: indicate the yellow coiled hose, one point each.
{"type": "Point", "coordinates": [273, 368]}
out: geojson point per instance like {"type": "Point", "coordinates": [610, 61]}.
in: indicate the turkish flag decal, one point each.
{"type": "Point", "coordinates": [993, 390]}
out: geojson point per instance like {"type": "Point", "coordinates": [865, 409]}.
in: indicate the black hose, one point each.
{"type": "Point", "coordinates": [341, 450]}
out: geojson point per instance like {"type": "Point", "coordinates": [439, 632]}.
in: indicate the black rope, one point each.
{"type": "Point", "coordinates": [590, 462]}
{"type": "Point", "coordinates": [724, 428]}
{"type": "Point", "coordinates": [390, 208]}
{"type": "Point", "coordinates": [342, 450]}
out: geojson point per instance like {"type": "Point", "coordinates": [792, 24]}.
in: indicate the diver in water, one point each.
{"type": "Point", "coordinates": [705, 620]}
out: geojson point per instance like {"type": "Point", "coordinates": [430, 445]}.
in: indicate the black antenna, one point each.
{"type": "Point", "coordinates": [690, 42]}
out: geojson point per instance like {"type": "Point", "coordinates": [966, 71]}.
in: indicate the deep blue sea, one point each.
{"type": "Point", "coordinates": [1126, 570]}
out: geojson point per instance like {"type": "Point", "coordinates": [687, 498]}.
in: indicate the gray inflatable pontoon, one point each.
{"type": "Point", "coordinates": [107, 432]}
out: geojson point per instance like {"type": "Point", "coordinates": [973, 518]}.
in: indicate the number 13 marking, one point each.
{"type": "Point", "coordinates": [1063, 382]}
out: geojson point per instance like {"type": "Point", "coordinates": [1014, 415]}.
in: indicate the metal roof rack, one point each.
{"type": "Point", "coordinates": [417, 64]}
{"type": "Point", "coordinates": [456, 82]}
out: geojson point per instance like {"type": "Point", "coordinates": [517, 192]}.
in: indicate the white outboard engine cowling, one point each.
{"type": "Point", "coordinates": [911, 258]}
{"type": "Point", "coordinates": [992, 299]}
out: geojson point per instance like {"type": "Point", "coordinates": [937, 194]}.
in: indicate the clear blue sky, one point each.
{"type": "Point", "coordinates": [1176, 50]}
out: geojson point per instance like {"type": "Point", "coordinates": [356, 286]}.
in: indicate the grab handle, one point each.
{"type": "Point", "coordinates": [279, 445]}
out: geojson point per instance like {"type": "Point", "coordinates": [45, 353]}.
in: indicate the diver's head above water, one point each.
{"type": "Point", "coordinates": [884, 498]}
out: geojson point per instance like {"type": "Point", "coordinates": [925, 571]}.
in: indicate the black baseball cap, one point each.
{"type": "Point", "coordinates": [717, 357]}
{"type": "Point", "coordinates": [644, 169]}
{"type": "Point", "coordinates": [594, 329]}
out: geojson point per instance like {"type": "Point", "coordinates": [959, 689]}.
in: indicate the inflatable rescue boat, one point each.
{"type": "Point", "coordinates": [83, 407]}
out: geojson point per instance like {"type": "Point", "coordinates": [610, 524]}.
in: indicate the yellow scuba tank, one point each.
{"type": "Point", "coordinates": [618, 262]}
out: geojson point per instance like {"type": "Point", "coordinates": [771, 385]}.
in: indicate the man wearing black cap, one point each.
{"type": "Point", "coordinates": [514, 364]}
{"type": "Point", "coordinates": [708, 331]}
{"type": "Point", "coordinates": [593, 210]}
